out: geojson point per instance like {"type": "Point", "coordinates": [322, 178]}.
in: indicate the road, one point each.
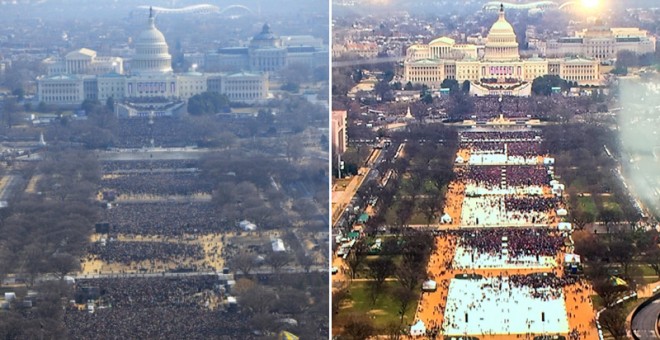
{"type": "Point", "coordinates": [644, 323]}
{"type": "Point", "coordinates": [344, 199]}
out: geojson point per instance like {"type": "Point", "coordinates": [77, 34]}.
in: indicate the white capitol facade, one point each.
{"type": "Point", "coordinates": [82, 75]}
{"type": "Point", "coordinates": [495, 68]}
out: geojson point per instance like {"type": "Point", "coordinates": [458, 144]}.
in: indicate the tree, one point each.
{"type": "Point", "coordinates": [607, 291]}
{"type": "Point", "coordinates": [379, 269]}
{"type": "Point", "coordinates": [356, 257]}
{"type": "Point", "coordinates": [277, 260]}
{"type": "Point", "coordinates": [409, 275]}
{"type": "Point", "coordinates": [244, 261]}
{"type": "Point", "coordinates": [207, 103]}
{"type": "Point", "coordinates": [465, 87]}
{"type": "Point", "coordinates": [609, 216]}
{"type": "Point", "coordinates": [404, 297]}
{"type": "Point", "coordinates": [581, 218]}
{"type": "Point", "coordinates": [451, 84]}
{"type": "Point", "coordinates": [338, 297]}
{"type": "Point", "coordinates": [588, 245]}
{"type": "Point", "coordinates": [622, 250]}
{"type": "Point", "coordinates": [358, 327]}
{"type": "Point", "coordinates": [258, 299]}
{"type": "Point", "coordinates": [626, 59]}
{"type": "Point", "coordinates": [110, 104]}
{"type": "Point", "coordinates": [430, 205]}
{"type": "Point", "coordinates": [63, 264]}
{"type": "Point", "coordinates": [393, 330]}
{"type": "Point", "coordinates": [543, 85]}
{"type": "Point", "coordinates": [652, 258]}
{"type": "Point", "coordinates": [613, 319]}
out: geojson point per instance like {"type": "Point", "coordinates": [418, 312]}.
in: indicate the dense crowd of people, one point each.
{"type": "Point", "coordinates": [544, 286]}
{"type": "Point", "coordinates": [484, 176]}
{"type": "Point", "coordinates": [488, 107]}
{"type": "Point", "coordinates": [142, 308]}
{"type": "Point", "coordinates": [132, 252]}
{"type": "Point", "coordinates": [529, 204]}
{"type": "Point", "coordinates": [520, 242]}
{"type": "Point", "coordinates": [162, 183]}
{"type": "Point", "coordinates": [139, 165]}
{"type": "Point", "coordinates": [500, 136]}
{"type": "Point", "coordinates": [526, 176]}
{"type": "Point", "coordinates": [164, 218]}
{"type": "Point", "coordinates": [160, 132]}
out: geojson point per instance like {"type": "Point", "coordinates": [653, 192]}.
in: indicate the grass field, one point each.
{"type": "Point", "coordinates": [384, 311]}
{"type": "Point", "coordinates": [587, 203]}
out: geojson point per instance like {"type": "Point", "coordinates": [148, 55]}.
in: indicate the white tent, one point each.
{"type": "Point", "coordinates": [460, 159]}
{"type": "Point", "coordinates": [571, 258]}
{"type": "Point", "coordinates": [247, 225]}
{"type": "Point", "coordinates": [548, 161]}
{"type": "Point", "coordinates": [278, 245]}
{"type": "Point", "coordinates": [418, 329]}
{"type": "Point", "coordinates": [445, 218]}
{"type": "Point", "coordinates": [564, 226]}
{"type": "Point", "coordinates": [429, 286]}
{"type": "Point", "coordinates": [554, 182]}
{"type": "Point", "coordinates": [562, 212]}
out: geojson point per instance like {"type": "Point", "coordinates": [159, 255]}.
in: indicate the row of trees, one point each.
{"type": "Point", "coordinates": [414, 249]}
{"type": "Point", "coordinates": [47, 233]}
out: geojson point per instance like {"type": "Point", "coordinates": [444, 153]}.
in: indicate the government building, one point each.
{"type": "Point", "coordinates": [268, 52]}
{"type": "Point", "coordinates": [603, 43]}
{"type": "Point", "coordinates": [493, 69]}
{"type": "Point", "coordinates": [82, 75]}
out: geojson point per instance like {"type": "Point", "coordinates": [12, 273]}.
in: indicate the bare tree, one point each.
{"type": "Point", "coordinates": [244, 261]}
{"type": "Point", "coordinates": [614, 320]}
{"type": "Point", "coordinates": [405, 298]}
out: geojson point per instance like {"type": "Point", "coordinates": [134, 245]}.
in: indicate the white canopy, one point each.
{"type": "Point", "coordinates": [429, 285]}
{"type": "Point", "coordinates": [247, 225]}
{"type": "Point", "coordinates": [548, 160]}
{"type": "Point", "coordinates": [278, 245]}
{"type": "Point", "coordinates": [571, 258]}
{"type": "Point", "coordinates": [564, 226]}
{"type": "Point", "coordinates": [445, 218]}
{"type": "Point", "coordinates": [418, 329]}
{"type": "Point", "coordinates": [562, 212]}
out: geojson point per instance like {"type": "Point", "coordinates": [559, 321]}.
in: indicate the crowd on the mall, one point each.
{"type": "Point", "coordinates": [141, 308]}
{"type": "Point", "coordinates": [520, 242]}
{"type": "Point", "coordinates": [161, 183]}
{"type": "Point", "coordinates": [160, 132]}
{"type": "Point", "coordinates": [135, 251]}
{"type": "Point", "coordinates": [488, 107]}
{"type": "Point", "coordinates": [143, 165]}
{"type": "Point", "coordinates": [164, 218]}
{"type": "Point", "coordinates": [543, 285]}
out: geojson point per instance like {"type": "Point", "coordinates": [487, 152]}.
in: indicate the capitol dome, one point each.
{"type": "Point", "coordinates": [151, 51]}
{"type": "Point", "coordinates": [266, 38]}
{"type": "Point", "coordinates": [502, 44]}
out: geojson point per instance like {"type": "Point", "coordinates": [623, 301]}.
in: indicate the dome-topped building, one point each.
{"type": "Point", "coordinates": [151, 51]}
{"type": "Point", "coordinates": [502, 44]}
{"type": "Point", "coordinates": [266, 38]}
{"type": "Point", "coordinates": [501, 70]}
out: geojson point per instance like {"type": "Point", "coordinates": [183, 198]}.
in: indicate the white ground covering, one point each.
{"type": "Point", "coordinates": [509, 310]}
{"type": "Point", "coordinates": [486, 159]}
{"type": "Point", "coordinates": [463, 260]}
{"type": "Point", "coordinates": [490, 212]}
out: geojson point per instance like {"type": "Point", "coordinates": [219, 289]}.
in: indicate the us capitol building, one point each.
{"type": "Point", "coordinates": [494, 69]}
{"type": "Point", "coordinates": [82, 75]}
